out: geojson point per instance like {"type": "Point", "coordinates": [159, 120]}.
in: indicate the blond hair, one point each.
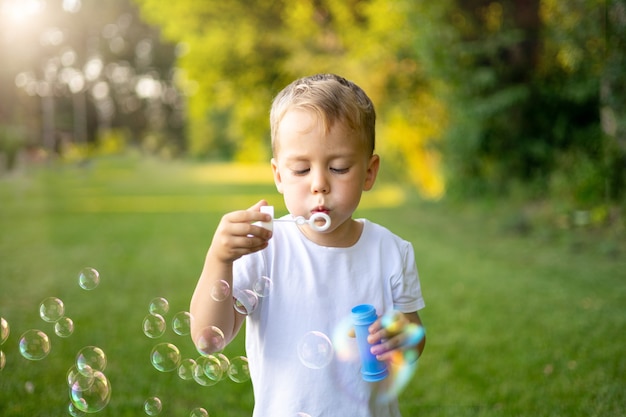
{"type": "Point", "coordinates": [333, 99]}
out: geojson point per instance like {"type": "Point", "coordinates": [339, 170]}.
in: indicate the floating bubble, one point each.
{"type": "Point", "coordinates": [3, 360]}
{"type": "Point", "coordinates": [73, 411]}
{"type": "Point", "coordinates": [262, 286]}
{"type": "Point", "coordinates": [212, 368]}
{"type": "Point", "coordinates": [239, 370]}
{"type": "Point", "coordinates": [165, 357]}
{"type": "Point", "coordinates": [185, 369]}
{"type": "Point", "coordinates": [88, 279]}
{"type": "Point", "coordinates": [315, 350]}
{"type": "Point", "coordinates": [51, 309]}
{"type": "Point", "coordinates": [199, 412]}
{"type": "Point", "coordinates": [34, 345]}
{"type": "Point", "coordinates": [64, 327]}
{"type": "Point", "coordinates": [159, 305]}
{"type": "Point", "coordinates": [154, 325]}
{"type": "Point", "coordinates": [94, 398]}
{"type": "Point", "coordinates": [82, 380]}
{"type": "Point", "coordinates": [224, 364]}
{"type": "Point", "coordinates": [91, 359]}
{"type": "Point", "coordinates": [246, 301]}
{"type": "Point", "coordinates": [199, 375]}
{"type": "Point", "coordinates": [211, 340]}
{"type": "Point", "coordinates": [181, 323]}
{"type": "Point", "coordinates": [220, 291]}
{"type": "Point", "coordinates": [5, 329]}
{"type": "Point", "coordinates": [152, 406]}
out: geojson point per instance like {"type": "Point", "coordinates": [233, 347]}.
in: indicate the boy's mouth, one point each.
{"type": "Point", "coordinates": [320, 209]}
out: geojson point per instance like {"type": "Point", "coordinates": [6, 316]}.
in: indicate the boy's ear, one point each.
{"type": "Point", "coordinates": [277, 178]}
{"type": "Point", "coordinates": [372, 172]}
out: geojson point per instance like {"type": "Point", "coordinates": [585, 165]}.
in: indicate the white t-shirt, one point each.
{"type": "Point", "coordinates": [313, 288]}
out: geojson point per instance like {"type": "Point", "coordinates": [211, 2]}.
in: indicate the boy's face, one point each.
{"type": "Point", "coordinates": [318, 171]}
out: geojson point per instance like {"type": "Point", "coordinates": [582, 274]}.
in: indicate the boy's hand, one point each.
{"type": "Point", "coordinates": [398, 331]}
{"type": "Point", "coordinates": [236, 236]}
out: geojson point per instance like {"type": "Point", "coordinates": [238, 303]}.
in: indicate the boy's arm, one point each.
{"type": "Point", "coordinates": [234, 237]}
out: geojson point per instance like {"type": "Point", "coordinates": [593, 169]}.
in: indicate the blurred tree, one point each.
{"type": "Point", "coordinates": [524, 83]}
{"type": "Point", "coordinates": [239, 54]}
{"type": "Point", "coordinates": [76, 70]}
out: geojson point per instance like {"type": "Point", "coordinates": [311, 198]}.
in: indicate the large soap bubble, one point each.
{"type": "Point", "coordinates": [88, 279]}
{"type": "Point", "coordinates": [315, 350]}
{"type": "Point", "coordinates": [152, 406]}
{"type": "Point", "coordinates": [239, 370]}
{"type": "Point", "coordinates": [51, 309]}
{"type": "Point", "coordinates": [165, 357]}
{"type": "Point", "coordinates": [64, 327]}
{"type": "Point", "coordinates": [154, 325]}
{"type": "Point", "coordinates": [211, 340]}
{"type": "Point", "coordinates": [94, 398]}
{"type": "Point", "coordinates": [34, 345]}
{"type": "Point", "coordinates": [90, 359]}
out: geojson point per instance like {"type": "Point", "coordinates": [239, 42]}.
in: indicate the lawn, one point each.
{"type": "Point", "coordinates": [518, 324]}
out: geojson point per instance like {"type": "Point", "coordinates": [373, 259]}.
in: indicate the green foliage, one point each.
{"type": "Point", "coordinates": [523, 86]}
{"type": "Point", "coordinates": [239, 54]}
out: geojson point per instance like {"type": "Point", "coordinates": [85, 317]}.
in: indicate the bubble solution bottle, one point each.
{"type": "Point", "coordinates": [372, 369]}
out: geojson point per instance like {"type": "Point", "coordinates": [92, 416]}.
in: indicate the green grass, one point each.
{"type": "Point", "coordinates": [528, 325]}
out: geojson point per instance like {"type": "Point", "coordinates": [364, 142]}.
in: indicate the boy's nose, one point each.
{"type": "Point", "coordinates": [319, 184]}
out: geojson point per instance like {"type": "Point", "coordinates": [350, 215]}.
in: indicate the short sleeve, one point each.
{"type": "Point", "coordinates": [406, 288]}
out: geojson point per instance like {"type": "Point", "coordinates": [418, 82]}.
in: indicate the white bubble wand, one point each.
{"type": "Point", "coordinates": [312, 221]}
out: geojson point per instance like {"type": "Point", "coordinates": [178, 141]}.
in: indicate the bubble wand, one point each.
{"type": "Point", "coordinates": [299, 220]}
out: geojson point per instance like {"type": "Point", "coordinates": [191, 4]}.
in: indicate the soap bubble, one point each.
{"type": "Point", "coordinates": [88, 279]}
{"type": "Point", "coordinates": [315, 350]}
{"type": "Point", "coordinates": [73, 411]}
{"type": "Point", "coordinates": [5, 329]}
{"type": "Point", "coordinates": [212, 368]}
{"type": "Point", "coordinates": [211, 340]}
{"type": "Point", "coordinates": [181, 323]}
{"type": "Point", "coordinates": [199, 375]}
{"type": "Point", "coordinates": [3, 360]}
{"type": "Point", "coordinates": [154, 325]}
{"type": "Point", "coordinates": [159, 305]}
{"type": "Point", "coordinates": [83, 380]}
{"type": "Point", "coordinates": [224, 364]}
{"type": "Point", "coordinates": [91, 359]}
{"type": "Point", "coordinates": [246, 301]}
{"type": "Point", "coordinates": [152, 406]}
{"type": "Point", "coordinates": [199, 412]}
{"type": "Point", "coordinates": [185, 369]}
{"type": "Point", "coordinates": [34, 345]}
{"type": "Point", "coordinates": [239, 370]}
{"type": "Point", "coordinates": [94, 398]}
{"type": "Point", "coordinates": [51, 309]}
{"type": "Point", "coordinates": [262, 286]}
{"type": "Point", "coordinates": [220, 291]}
{"type": "Point", "coordinates": [165, 357]}
{"type": "Point", "coordinates": [64, 327]}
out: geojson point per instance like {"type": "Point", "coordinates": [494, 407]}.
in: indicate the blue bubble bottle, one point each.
{"type": "Point", "coordinates": [372, 369]}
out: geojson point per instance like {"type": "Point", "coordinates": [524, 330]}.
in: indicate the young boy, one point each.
{"type": "Point", "coordinates": [323, 146]}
